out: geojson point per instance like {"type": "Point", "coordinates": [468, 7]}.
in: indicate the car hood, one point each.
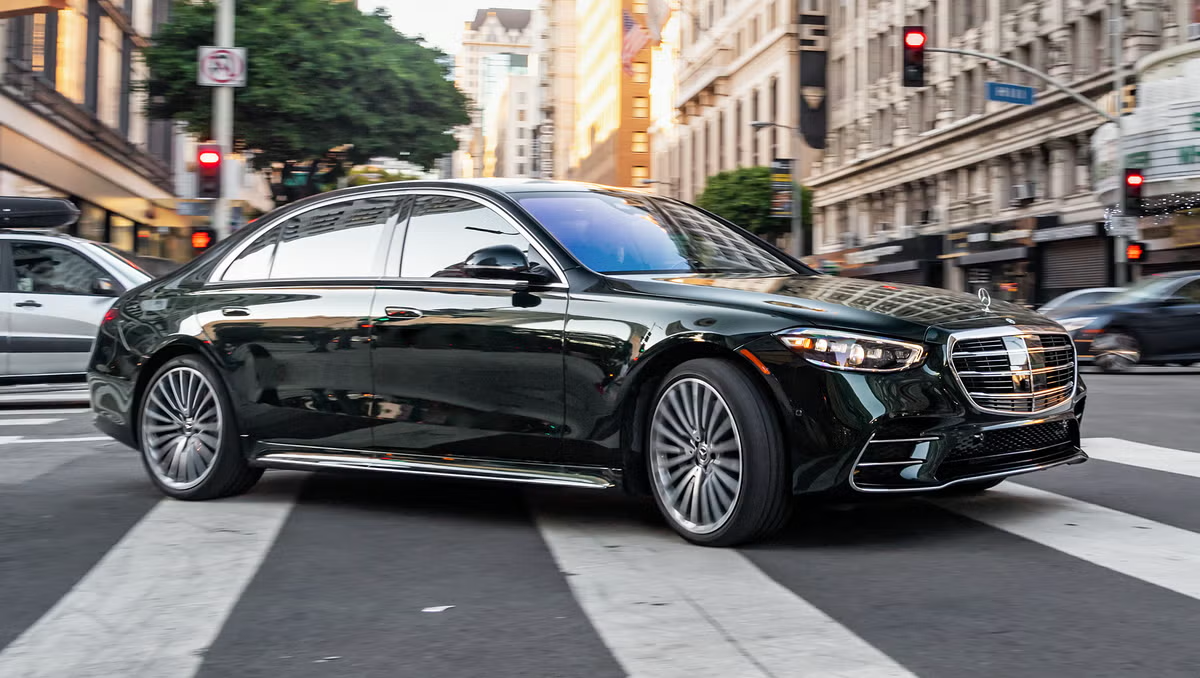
{"type": "Point", "coordinates": [854, 304]}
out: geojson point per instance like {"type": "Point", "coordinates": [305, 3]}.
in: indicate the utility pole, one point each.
{"type": "Point", "coordinates": [1117, 29]}
{"type": "Point", "coordinates": [222, 125]}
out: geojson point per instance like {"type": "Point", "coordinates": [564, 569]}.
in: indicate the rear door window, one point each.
{"type": "Point", "coordinates": [343, 240]}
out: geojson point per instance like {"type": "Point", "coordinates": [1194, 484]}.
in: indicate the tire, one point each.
{"type": "Point", "coordinates": [187, 433]}
{"type": "Point", "coordinates": [1119, 352]}
{"type": "Point", "coordinates": [965, 489]}
{"type": "Point", "coordinates": [724, 483]}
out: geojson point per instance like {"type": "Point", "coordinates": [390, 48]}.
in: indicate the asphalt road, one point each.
{"type": "Point", "coordinates": [1088, 571]}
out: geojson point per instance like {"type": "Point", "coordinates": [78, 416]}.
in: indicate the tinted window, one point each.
{"type": "Point", "coordinates": [50, 269]}
{"type": "Point", "coordinates": [616, 233]}
{"type": "Point", "coordinates": [254, 262]}
{"type": "Point", "coordinates": [1190, 291]}
{"type": "Point", "coordinates": [342, 240]}
{"type": "Point", "coordinates": [444, 231]}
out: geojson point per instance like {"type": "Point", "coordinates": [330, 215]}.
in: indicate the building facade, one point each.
{"type": "Point", "coordinates": [1007, 189]}
{"type": "Point", "coordinates": [611, 140]}
{"type": "Point", "coordinates": [510, 140]}
{"type": "Point", "coordinates": [556, 71]}
{"type": "Point", "coordinates": [495, 45]}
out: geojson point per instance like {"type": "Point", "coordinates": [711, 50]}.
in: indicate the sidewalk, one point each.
{"type": "Point", "coordinates": [37, 395]}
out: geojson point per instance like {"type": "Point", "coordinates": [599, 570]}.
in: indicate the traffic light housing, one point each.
{"type": "Point", "coordinates": [203, 238]}
{"type": "Point", "coordinates": [208, 171]}
{"type": "Point", "coordinates": [1135, 252]}
{"type": "Point", "coordinates": [1131, 203]}
{"type": "Point", "coordinates": [913, 61]}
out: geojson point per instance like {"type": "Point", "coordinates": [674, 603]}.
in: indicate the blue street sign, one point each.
{"type": "Point", "coordinates": [1010, 94]}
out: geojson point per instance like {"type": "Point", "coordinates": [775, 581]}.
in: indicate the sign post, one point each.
{"type": "Point", "coordinates": [222, 67]}
{"type": "Point", "coordinates": [781, 188]}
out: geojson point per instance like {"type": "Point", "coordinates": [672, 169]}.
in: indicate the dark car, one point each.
{"type": "Point", "coordinates": [575, 335]}
{"type": "Point", "coordinates": [1154, 322]}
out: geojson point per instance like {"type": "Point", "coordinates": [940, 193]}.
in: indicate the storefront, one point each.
{"type": "Point", "coordinates": [1173, 245]}
{"type": "Point", "coordinates": [913, 261]}
{"type": "Point", "coordinates": [998, 257]}
{"type": "Point", "coordinates": [1071, 257]}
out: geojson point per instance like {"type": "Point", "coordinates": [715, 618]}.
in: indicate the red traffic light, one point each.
{"type": "Point", "coordinates": [1135, 180]}
{"type": "Point", "coordinates": [914, 39]}
{"type": "Point", "coordinates": [201, 239]}
{"type": "Point", "coordinates": [1134, 251]}
{"type": "Point", "coordinates": [209, 158]}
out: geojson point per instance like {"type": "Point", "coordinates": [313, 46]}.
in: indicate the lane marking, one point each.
{"type": "Point", "coordinates": [1150, 457]}
{"type": "Point", "coordinates": [28, 422]}
{"type": "Point", "coordinates": [22, 440]}
{"type": "Point", "coordinates": [157, 599]}
{"type": "Point", "coordinates": [667, 609]}
{"type": "Point", "coordinates": [39, 412]}
{"type": "Point", "coordinates": [1144, 549]}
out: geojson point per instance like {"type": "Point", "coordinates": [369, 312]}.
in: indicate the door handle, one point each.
{"type": "Point", "coordinates": [235, 311]}
{"type": "Point", "coordinates": [397, 313]}
{"type": "Point", "coordinates": [28, 304]}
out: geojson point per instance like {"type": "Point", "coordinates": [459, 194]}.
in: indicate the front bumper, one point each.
{"type": "Point", "coordinates": [910, 431]}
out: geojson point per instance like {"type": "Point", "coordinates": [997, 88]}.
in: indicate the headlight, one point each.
{"type": "Point", "coordinates": [858, 352]}
{"type": "Point", "coordinates": [1072, 324]}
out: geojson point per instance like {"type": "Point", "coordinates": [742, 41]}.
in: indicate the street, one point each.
{"type": "Point", "coordinates": [1090, 570]}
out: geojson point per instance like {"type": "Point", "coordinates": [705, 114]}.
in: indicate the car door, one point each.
{"type": "Point", "coordinates": [57, 298]}
{"type": "Point", "coordinates": [289, 315]}
{"type": "Point", "coordinates": [1181, 326]}
{"type": "Point", "coordinates": [467, 367]}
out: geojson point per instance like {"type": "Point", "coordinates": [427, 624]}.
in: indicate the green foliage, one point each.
{"type": "Point", "coordinates": [743, 196]}
{"type": "Point", "coordinates": [361, 176]}
{"type": "Point", "coordinates": [321, 75]}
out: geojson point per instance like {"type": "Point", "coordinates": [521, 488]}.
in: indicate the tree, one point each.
{"type": "Point", "coordinates": [743, 196]}
{"type": "Point", "coordinates": [328, 87]}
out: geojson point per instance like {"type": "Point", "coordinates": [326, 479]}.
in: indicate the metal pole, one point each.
{"type": "Point", "coordinates": [1118, 31]}
{"type": "Point", "coordinates": [797, 196]}
{"type": "Point", "coordinates": [223, 120]}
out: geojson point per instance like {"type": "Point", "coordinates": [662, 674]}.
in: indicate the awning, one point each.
{"type": "Point", "coordinates": [11, 8]}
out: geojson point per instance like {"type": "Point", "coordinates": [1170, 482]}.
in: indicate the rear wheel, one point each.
{"type": "Point", "coordinates": [1117, 352]}
{"type": "Point", "coordinates": [716, 456]}
{"type": "Point", "coordinates": [188, 434]}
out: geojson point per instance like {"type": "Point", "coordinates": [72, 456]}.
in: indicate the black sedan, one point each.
{"type": "Point", "coordinates": [573, 335]}
{"type": "Point", "coordinates": [1154, 322]}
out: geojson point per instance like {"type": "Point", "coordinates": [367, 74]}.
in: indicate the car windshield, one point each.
{"type": "Point", "coordinates": [1146, 289]}
{"type": "Point", "coordinates": [624, 233]}
{"type": "Point", "coordinates": [1080, 300]}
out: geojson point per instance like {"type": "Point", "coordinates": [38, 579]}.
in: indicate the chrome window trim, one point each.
{"type": "Point", "coordinates": [217, 278]}
{"type": "Point", "coordinates": [1012, 331]}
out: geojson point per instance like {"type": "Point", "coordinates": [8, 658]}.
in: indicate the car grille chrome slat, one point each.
{"type": "Point", "coordinates": [1016, 373]}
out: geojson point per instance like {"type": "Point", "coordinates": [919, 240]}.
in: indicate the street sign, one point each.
{"type": "Point", "coordinates": [781, 188]}
{"type": "Point", "coordinates": [1122, 226]}
{"type": "Point", "coordinates": [221, 67]}
{"type": "Point", "coordinates": [1010, 94]}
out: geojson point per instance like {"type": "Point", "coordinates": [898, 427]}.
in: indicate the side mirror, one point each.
{"type": "Point", "coordinates": [501, 262]}
{"type": "Point", "coordinates": [37, 213]}
{"type": "Point", "coordinates": [104, 287]}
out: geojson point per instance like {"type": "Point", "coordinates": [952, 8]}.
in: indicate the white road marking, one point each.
{"type": "Point", "coordinates": [40, 412]}
{"type": "Point", "coordinates": [22, 440]}
{"type": "Point", "coordinates": [667, 609]}
{"type": "Point", "coordinates": [1151, 551]}
{"type": "Point", "coordinates": [158, 598]}
{"type": "Point", "coordinates": [1146, 456]}
{"type": "Point", "coordinates": [28, 422]}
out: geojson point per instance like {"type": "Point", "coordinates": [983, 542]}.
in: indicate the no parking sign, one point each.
{"type": "Point", "coordinates": [221, 67]}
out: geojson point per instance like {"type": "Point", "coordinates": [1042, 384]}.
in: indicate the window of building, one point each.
{"type": "Point", "coordinates": [641, 72]}
{"type": "Point", "coordinates": [520, 132]}
{"type": "Point", "coordinates": [520, 169]}
{"type": "Point", "coordinates": [754, 34]}
{"type": "Point", "coordinates": [640, 6]}
{"type": "Point", "coordinates": [520, 98]}
{"type": "Point", "coordinates": [521, 115]}
{"type": "Point", "coordinates": [754, 118]}
{"type": "Point", "coordinates": [772, 16]}
{"type": "Point", "coordinates": [721, 148]}
{"type": "Point", "coordinates": [520, 150]}
{"type": "Point", "coordinates": [42, 268]}
{"type": "Point", "coordinates": [334, 241]}
{"type": "Point", "coordinates": [773, 111]}
{"type": "Point", "coordinates": [444, 231]}
{"type": "Point", "coordinates": [639, 174]}
{"type": "Point", "coordinates": [640, 142]}
{"type": "Point", "coordinates": [641, 107]}
{"type": "Point", "coordinates": [109, 69]}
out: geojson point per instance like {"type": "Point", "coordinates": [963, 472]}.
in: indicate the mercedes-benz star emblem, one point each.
{"type": "Point", "coordinates": [985, 299]}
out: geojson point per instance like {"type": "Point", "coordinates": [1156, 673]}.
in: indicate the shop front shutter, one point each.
{"type": "Point", "coordinates": [1074, 264]}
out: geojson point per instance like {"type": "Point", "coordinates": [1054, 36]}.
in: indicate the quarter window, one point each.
{"type": "Point", "coordinates": [51, 269]}
{"type": "Point", "coordinates": [444, 231]}
{"type": "Point", "coordinates": [342, 240]}
{"type": "Point", "coordinates": [254, 262]}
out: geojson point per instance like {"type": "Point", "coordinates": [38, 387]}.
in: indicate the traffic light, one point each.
{"type": "Point", "coordinates": [1131, 205]}
{"type": "Point", "coordinates": [203, 238]}
{"type": "Point", "coordinates": [913, 62]}
{"type": "Point", "coordinates": [208, 171]}
{"type": "Point", "coordinates": [1134, 251]}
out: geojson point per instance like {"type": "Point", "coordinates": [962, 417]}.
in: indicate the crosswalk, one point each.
{"type": "Point", "coordinates": [1085, 571]}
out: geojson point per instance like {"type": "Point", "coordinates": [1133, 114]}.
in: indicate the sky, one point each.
{"type": "Point", "coordinates": [440, 21]}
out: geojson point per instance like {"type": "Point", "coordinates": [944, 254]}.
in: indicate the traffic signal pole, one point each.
{"type": "Point", "coordinates": [1116, 14]}
{"type": "Point", "coordinates": [222, 126]}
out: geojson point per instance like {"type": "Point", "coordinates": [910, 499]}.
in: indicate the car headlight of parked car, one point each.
{"type": "Point", "coordinates": [1075, 324]}
{"type": "Point", "coordinates": [855, 352]}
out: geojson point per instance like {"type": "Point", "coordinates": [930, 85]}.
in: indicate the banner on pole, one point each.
{"type": "Point", "coordinates": [781, 187]}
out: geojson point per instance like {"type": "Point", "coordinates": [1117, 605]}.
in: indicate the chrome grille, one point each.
{"type": "Point", "coordinates": [1016, 373]}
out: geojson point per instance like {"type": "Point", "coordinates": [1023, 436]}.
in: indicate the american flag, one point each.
{"type": "Point", "coordinates": [635, 39]}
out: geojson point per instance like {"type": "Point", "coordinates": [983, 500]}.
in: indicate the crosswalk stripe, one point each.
{"type": "Point", "coordinates": [157, 600]}
{"type": "Point", "coordinates": [1151, 551]}
{"type": "Point", "coordinates": [40, 412]}
{"type": "Point", "coordinates": [1151, 457]}
{"type": "Point", "coordinates": [667, 609]}
{"type": "Point", "coordinates": [28, 422]}
{"type": "Point", "coordinates": [22, 440]}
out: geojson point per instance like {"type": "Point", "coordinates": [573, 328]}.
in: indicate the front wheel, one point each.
{"type": "Point", "coordinates": [1117, 352]}
{"type": "Point", "coordinates": [188, 433]}
{"type": "Point", "coordinates": [716, 456]}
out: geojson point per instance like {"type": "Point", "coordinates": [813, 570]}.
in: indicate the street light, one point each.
{"type": "Point", "coordinates": [797, 248]}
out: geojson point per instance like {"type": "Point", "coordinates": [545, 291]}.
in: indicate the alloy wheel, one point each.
{"type": "Point", "coordinates": [181, 428]}
{"type": "Point", "coordinates": [696, 450]}
{"type": "Point", "coordinates": [1117, 352]}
